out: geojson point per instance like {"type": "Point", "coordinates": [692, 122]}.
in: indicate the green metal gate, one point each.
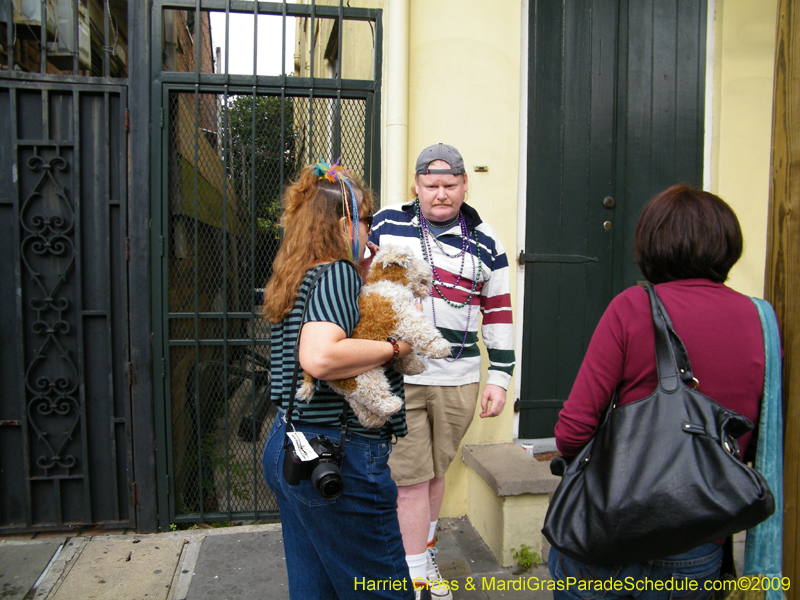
{"type": "Point", "coordinates": [72, 440]}
{"type": "Point", "coordinates": [65, 428]}
{"type": "Point", "coordinates": [232, 136]}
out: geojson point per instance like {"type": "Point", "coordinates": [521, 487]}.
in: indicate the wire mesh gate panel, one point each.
{"type": "Point", "coordinates": [230, 144]}
{"type": "Point", "coordinates": [65, 436]}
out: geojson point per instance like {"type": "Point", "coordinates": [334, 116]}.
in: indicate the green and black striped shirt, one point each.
{"type": "Point", "coordinates": [334, 299]}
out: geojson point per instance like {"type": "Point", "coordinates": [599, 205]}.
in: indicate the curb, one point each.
{"type": "Point", "coordinates": [58, 568]}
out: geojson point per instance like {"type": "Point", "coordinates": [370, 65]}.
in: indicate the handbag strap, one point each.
{"type": "Point", "coordinates": [672, 360]}
{"type": "Point", "coordinates": [763, 550]}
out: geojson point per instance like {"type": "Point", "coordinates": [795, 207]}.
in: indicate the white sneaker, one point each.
{"type": "Point", "coordinates": [440, 589]}
{"type": "Point", "coordinates": [423, 594]}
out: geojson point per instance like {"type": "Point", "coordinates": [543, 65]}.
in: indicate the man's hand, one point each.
{"type": "Point", "coordinates": [492, 401]}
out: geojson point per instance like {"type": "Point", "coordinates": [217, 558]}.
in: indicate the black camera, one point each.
{"type": "Point", "coordinates": [323, 471]}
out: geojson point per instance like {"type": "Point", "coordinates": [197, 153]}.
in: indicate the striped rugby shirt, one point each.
{"type": "Point", "coordinates": [334, 299]}
{"type": "Point", "coordinates": [398, 225]}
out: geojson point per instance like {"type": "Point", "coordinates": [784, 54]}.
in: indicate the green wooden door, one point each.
{"type": "Point", "coordinates": [616, 100]}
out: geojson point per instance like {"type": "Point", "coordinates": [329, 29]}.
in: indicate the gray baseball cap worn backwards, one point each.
{"type": "Point", "coordinates": [440, 152]}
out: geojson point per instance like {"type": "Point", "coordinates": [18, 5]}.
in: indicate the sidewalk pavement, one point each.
{"type": "Point", "coordinates": [233, 563]}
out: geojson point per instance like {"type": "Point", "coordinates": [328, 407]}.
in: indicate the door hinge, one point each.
{"type": "Point", "coordinates": [133, 493]}
{"type": "Point", "coordinates": [161, 250]}
{"type": "Point", "coordinates": [162, 118]}
{"type": "Point", "coordinates": [127, 122]}
{"type": "Point", "coordinates": [127, 249]}
{"type": "Point", "coordinates": [554, 258]}
{"type": "Point", "coordinates": [163, 368]}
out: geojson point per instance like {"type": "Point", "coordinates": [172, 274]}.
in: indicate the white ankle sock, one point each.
{"type": "Point", "coordinates": [418, 566]}
{"type": "Point", "coordinates": [432, 531]}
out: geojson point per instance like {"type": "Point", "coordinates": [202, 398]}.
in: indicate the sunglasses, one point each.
{"type": "Point", "coordinates": [368, 220]}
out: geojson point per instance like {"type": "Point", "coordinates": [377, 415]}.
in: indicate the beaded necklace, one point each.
{"type": "Point", "coordinates": [464, 238]}
{"type": "Point", "coordinates": [446, 225]}
{"type": "Point", "coordinates": [466, 248]}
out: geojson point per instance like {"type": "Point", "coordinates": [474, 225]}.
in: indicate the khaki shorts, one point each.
{"type": "Point", "coordinates": [437, 417]}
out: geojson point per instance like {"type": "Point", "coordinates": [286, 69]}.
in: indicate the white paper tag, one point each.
{"type": "Point", "coordinates": [301, 446]}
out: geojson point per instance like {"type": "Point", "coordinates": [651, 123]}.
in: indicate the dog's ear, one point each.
{"type": "Point", "coordinates": [375, 271]}
{"type": "Point", "coordinates": [394, 255]}
{"type": "Point", "coordinates": [387, 259]}
{"type": "Point", "coordinates": [422, 277]}
{"type": "Point", "coordinates": [404, 257]}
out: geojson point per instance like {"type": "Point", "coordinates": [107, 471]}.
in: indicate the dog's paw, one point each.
{"type": "Point", "coordinates": [382, 405]}
{"type": "Point", "coordinates": [372, 391]}
{"type": "Point", "coordinates": [438, 348]}
{"type": "Point", "coordinates": [367, 418]}
{"type": "Point", "coordinates": [410, 365]}
{"type": "Point", "coordinates": [306, 391]}
{"type": "Point", "coordinates": [371, 420]}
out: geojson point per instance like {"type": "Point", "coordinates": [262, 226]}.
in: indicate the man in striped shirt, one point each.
{"type": "Point", "coordinates": [471, 287]}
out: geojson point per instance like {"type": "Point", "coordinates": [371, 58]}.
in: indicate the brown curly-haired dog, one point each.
{"type": "Point", "coordinates": [387, 306]}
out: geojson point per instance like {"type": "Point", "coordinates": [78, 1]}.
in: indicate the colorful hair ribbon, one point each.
{"type": "Point", "coordinates": [335, 173]}
{"type": "Point", "coordinates": [330, 172]}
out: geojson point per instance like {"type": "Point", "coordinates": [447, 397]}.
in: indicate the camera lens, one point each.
{"type": "Point", "coordinates": [327, 478]}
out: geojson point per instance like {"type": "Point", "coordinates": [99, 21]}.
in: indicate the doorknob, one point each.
{"type": "Point", "coordinates": [608, 202]}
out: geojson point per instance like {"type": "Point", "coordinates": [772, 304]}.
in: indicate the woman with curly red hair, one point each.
{"type": "Point", "coordinates": [339, 529]}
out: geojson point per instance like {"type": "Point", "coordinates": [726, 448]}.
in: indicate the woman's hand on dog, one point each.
{"type": "Point", "coordinates": [366, 263]}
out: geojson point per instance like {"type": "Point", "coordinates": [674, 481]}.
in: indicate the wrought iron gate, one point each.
{"type": "Point", "coordinates": [229, 144]}
{"type": "Point", "coordinates": [65, 435]}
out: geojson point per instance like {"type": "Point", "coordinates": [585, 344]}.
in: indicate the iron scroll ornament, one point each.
{"type": "Point", "coordinates": [47, 250]}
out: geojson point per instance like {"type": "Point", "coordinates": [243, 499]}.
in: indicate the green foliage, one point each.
{"type": "Point", "coordinates": [256, 144]}
{"type": "Point", "coordinates": [525, 557]}
{"type": "Point", "coordinates": [261, 150]}
{"type": "Point", "coordinates": [238, 473]}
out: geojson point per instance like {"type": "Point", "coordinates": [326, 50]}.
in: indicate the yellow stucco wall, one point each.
{"type": "Point", "coordinates": [358, 40]}
{"type": "Point", "coordinates": [464, 87]}
{"type": "Point", "coordinates": [744, 57]}
{"type": "Point", "coordinates": [507, 522]}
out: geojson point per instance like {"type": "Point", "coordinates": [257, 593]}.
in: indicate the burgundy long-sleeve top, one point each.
{"type": "Point", "coordinates": [720, 328]}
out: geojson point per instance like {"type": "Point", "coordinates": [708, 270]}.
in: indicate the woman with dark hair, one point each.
{"type": "Point", "coordinates": [341, 537]}
{"type": "Point", "coordinates": [685, 243]}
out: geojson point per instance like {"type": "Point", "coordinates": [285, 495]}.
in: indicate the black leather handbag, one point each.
{"type": "Point", "coordinates": [661, 475]}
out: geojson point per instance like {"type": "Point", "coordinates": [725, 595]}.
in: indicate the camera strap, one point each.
{"type": "Point", "coordinates": [295, 374]}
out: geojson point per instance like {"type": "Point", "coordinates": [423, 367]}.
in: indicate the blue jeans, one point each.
{"type": "Point", "coordinates": [346, 547]}
{"type": "Point", "coordinates": [586, 582]}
